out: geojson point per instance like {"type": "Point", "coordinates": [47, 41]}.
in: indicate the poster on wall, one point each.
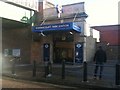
{"type": "Point", "coordinates": [7, 52]}
{"type": "Point", "coordinates": [46, 52]}
{"type": "Point", "coordinates": [16, 52]}
{"type": "Point", "coordinates": [79, 53]}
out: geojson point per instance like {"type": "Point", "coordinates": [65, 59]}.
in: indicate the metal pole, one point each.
{"type": "Point", "coordinates": [63, 69]}
{"type": "Point", "coordinates": [13, 66]}
{"type": "Point", "coordinates": [85, 71]}
{"type": "Point", "coordinates": [46, 69]}
{"type": "Point", "coordinates": [34, 68]}
{"type": "Point", "coordinates": [117, 78]}
{"type": "Point", "coordinates": [50, 68]}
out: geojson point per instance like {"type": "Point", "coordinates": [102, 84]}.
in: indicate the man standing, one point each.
{"type": "Point", "coordinates": [99, 59]}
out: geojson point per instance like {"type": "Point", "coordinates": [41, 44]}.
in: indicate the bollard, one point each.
{"type": "Point", "coordinates": [34, 68]}
{"type": "Point", "coordinates": [63, 69]}
{"type": "Point", "coordinates": [13, 66]}
{"type": "Point", "coordinates": [85, 71]}
{"type": "Point", "coordinates": [117, 78]}
{"type": "Point", "coordinates": [49, 69]}
{"type": "Point", "coordinates": [46, 69]}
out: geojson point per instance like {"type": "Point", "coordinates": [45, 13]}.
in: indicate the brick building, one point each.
{"type": "Point", "coordinates": [42, 35]}
{"type": "Point", "coordinates": [16, 29]}
{"type": "Point", "coordinates": [67, 36]}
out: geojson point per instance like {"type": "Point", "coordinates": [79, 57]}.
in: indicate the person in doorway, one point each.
{"type": "Point", "coordinates": [99, 59]}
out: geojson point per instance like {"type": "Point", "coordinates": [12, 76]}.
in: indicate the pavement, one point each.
{"type": "Point", "coordinates": [11, 83]}
{"type": "Point", "coordinates": [73, 75]}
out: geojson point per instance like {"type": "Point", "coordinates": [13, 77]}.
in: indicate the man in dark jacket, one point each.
{"type": "Point", "coordinates": [99, 59]}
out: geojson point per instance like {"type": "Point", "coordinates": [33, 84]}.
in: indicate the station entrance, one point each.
{"type": "Point", "coordinates": [63, 47]}
{"type": "Point", "coordinates": [60, 45]}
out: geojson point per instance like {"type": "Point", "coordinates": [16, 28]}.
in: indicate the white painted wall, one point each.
{"type": "Point", "coordinates": [95, 34]}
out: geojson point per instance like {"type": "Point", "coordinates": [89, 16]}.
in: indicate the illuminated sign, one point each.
{"type": "Point", "coordinates": [32, 4]}
{"type": "Point", "coordinates": [52, 27]}
{"type": "Point", "coordinates": [56, 27]}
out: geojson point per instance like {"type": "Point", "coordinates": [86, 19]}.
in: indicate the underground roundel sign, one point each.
{"type": "Point", "coordinates": [78, 52]}
{"type": "Point", "coordinates": [78, 45]}
{"type": "Point", "coordinates": [46, 52]}
{"type": "Point", "coordinates": [46, 46]}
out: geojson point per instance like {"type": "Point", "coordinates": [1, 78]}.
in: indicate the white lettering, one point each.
{"type": "Point", "coordinates": [55, 26]}
{"type": "Point", "coordinates": [52, 26]}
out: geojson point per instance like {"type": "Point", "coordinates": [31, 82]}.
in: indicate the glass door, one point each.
{"type": "Point", "coordinates": [63, 53]}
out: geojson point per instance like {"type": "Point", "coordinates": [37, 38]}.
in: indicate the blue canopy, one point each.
{"type": "Point", "coordinates": [56, 27]}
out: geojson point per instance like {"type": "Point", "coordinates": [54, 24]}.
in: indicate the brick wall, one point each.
{"type": "Point", "coordinates": [112, 52]}
{"type": "Point", "coordinates": [37, 48]}
{"type": "Point", "coordinates": [17, 38]}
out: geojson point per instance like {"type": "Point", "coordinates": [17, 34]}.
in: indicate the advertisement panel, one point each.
{"type": "Point", "coordinates": [16, 52]}
{"type": "Point", "coordinates": [78, 52]}
{"type": "Point", "coordinates": [46, 52]}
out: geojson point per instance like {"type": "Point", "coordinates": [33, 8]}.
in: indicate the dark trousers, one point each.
{"type": "Point", "coordinates": [96, 69]}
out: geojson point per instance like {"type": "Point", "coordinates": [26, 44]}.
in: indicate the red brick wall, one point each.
{"type": "Point", "coordinates": [109, 36]}
{"type": "Point", "coordinates": [35, 52]}
{"type": "Point", "coordinates": [18, 38]}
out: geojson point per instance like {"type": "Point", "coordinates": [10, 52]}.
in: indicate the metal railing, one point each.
{"type": "Point", "coordinates": [74, 73]}
{"type": "Point", "coordinates": [111, 72]}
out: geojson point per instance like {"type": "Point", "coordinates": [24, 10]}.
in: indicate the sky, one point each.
{"type": "Point", "coordinates": [100, 12]}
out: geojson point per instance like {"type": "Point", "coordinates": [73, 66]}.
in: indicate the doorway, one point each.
{"type": "Point", "coordinates": [63, 50]}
